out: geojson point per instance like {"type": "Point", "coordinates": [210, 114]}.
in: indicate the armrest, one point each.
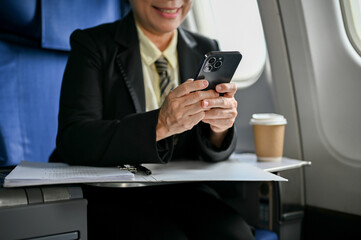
{"type": "Point", "coordinates": [38, 212]}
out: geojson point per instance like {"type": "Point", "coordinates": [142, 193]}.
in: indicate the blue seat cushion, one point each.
{"type": "Point", "coordinates": [30, 83]}
{"type": "Point", "coordinates": [262, 234]}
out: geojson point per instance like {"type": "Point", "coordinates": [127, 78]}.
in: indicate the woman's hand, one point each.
{"type": "Point", "coordinates": [222, 112]}
{"type": "Point", "coordinates": [183, 108]}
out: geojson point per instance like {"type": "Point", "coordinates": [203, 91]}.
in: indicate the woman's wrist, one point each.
{"type": "Point", "coordinates": [216, 138]}
{"type": "Point", "coordinates": [161, 131]}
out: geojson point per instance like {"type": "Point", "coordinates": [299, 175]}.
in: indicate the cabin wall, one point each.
{"type": "Point", "coordinates": [324, 72]}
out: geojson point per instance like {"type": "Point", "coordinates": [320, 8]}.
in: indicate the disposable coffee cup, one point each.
{"type": "Point", "coordinates": [269, 132]}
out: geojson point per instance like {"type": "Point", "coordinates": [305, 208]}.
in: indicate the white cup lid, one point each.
{"type": "Point", "coordinates": [268, 119]}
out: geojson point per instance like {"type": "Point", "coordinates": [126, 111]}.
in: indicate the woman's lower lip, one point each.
{"type": "Point", "coordinates": [168, 13]}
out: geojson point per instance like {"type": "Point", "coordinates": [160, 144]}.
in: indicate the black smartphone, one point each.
{"type": "Point", "coordinates": [218, 67]}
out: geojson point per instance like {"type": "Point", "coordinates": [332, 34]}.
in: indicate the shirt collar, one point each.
{"type": "Point", "coordinates": [171, 51]}
{"type": "Point", "coordinates": [150, 53]}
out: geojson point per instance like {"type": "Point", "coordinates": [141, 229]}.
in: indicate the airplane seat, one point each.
{"type": "Point", "coordinates": [34, 46]}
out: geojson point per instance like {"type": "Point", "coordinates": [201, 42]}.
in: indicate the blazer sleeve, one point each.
{"type": "Point", "coordinates": [84, 136]}
{"type": "Point", "coordinates": [210, 153]}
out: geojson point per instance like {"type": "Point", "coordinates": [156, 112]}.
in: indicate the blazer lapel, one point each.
{"type": "Point", "coordinates": [129, 61]}
{"type": "Point", "coordinates": [188, 58]}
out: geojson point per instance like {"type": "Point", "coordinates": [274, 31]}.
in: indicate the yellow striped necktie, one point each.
{"type": "Point", "coordinates": [165, 85]}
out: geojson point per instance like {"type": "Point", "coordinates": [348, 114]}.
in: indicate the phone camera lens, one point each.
{"type": "Point", "coordinates": [218, 64]}
{"type": "Point", "coordinates": [212, 60]}
{"type": "Point", "coordinates": [208, 68]}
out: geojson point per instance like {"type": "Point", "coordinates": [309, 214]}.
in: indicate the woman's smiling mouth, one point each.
{"type": "Point", "coordinates": [168, 12]}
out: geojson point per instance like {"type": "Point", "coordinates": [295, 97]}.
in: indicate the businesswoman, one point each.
{"type": "Point", "coordinates": [127, 98]}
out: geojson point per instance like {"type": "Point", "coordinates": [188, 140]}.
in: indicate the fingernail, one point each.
{"type": "Point", "coordinates": [205, 83]}
{"type": "Point", "coordinates": [219, 88]}
{"type": "Point", "coordinates": [205, 103]}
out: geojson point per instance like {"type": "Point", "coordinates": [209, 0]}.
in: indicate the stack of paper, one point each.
{"type": "Point", "coordinates": [37, 173]}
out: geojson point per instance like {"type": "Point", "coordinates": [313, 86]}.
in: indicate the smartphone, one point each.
{"type": "Point", "coordinates": [218, 67]}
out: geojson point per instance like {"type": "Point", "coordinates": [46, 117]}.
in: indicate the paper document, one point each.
{"type": "Point", "coordinates": [184, 171]}
{"type": "Point", "coordinates": [38, 173]}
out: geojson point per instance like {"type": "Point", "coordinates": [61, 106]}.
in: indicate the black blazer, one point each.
{"type": "Point", "coordinates": [102, 118]}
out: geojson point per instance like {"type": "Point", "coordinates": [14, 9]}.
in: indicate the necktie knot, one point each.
{"type": "Point", "coordinates": [162, 65]}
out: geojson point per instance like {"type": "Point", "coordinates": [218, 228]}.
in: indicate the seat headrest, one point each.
{"type": "Point", "coordinates": [20, 17]}
{"type": "Point", "coordinates": [51, 22]}
{"type": "Point", "coordinates": [61, 18]}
